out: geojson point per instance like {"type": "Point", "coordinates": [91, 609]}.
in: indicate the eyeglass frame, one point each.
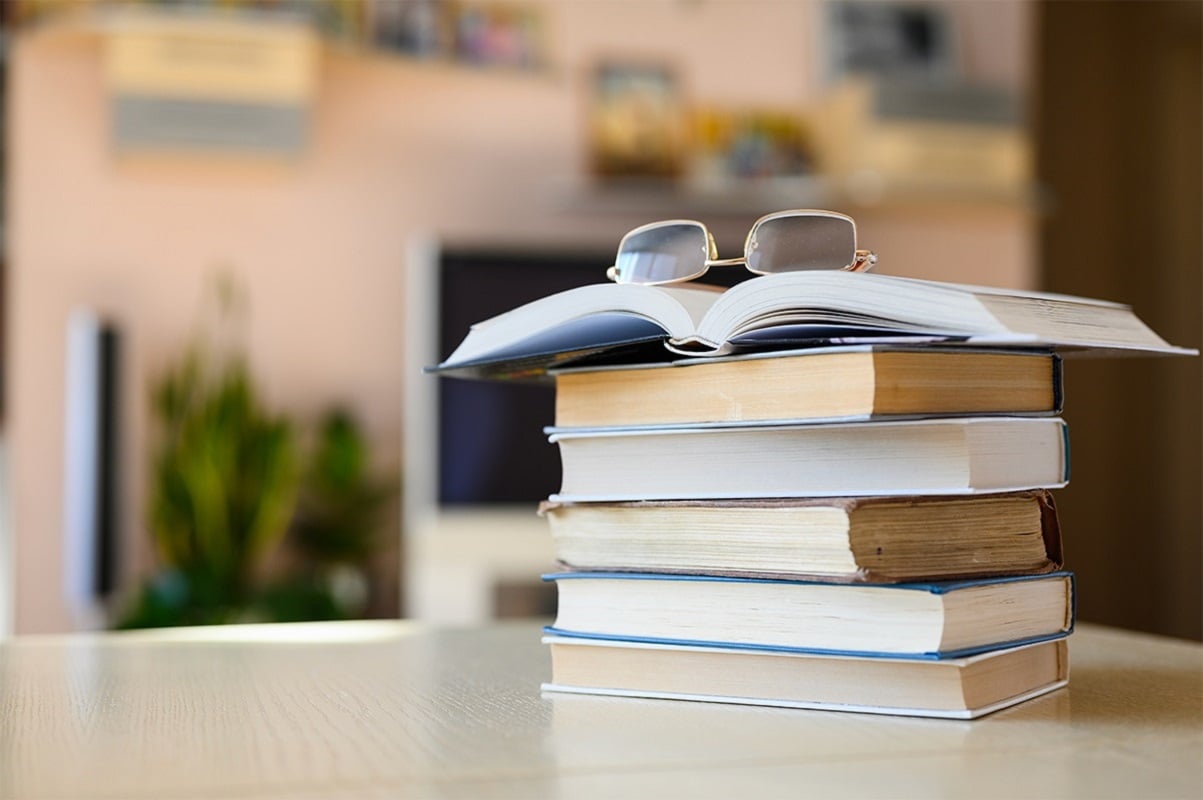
{"type": "Point", "coordinates": [862, 260]}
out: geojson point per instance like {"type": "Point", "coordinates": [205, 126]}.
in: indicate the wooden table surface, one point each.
{"type": "Point", "coordinates": [392, 709]}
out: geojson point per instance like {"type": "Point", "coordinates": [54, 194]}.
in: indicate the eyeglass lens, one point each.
{"type": "Point", "coordinates": [802, 242]}
{"type": "Point", "coordinates": [663, 253]}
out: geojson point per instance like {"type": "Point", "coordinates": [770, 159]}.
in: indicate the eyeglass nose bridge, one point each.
{"type": "Point", "coordinates": [862, 261]}
{"type": "Point", "coordinates": [714, 261]}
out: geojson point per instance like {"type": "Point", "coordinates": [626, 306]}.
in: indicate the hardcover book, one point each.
{"type": "Point", "coordinates": [870, 539]}
{"type": "Point", "coordinates": [938, 456]}
{"type": "Point", "coordinates": [851, 383]}
{"type": "Point", "coordinates": [959, 688]}
{"type": "Point", "coordinates": [938, 620]}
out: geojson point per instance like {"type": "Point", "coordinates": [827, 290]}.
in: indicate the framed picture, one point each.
{"type": "Point", "coordinates": [637, 121]}
{"type": "Point", "coordinates": [749, 143]}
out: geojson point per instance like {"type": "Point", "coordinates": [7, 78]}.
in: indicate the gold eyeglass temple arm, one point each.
{"type": "Point", "coordinates": [864, 261]}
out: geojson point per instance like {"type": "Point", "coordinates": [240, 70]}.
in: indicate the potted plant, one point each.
{"type": "Point", "coordinates": [224, 484]}
{"type": "Point", "coordinates": [336, 528]}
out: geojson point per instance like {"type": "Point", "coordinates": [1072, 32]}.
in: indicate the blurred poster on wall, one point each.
{"type": "Point", "coordinates": [637, 121]}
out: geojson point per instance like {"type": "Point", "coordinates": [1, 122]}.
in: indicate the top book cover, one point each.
{"type": "Point", "coordinates": [824, 384]}
{"type": "Point", "coordinates": [622, 323]}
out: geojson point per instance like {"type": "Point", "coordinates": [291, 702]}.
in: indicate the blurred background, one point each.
{"type": "Point", "coordinates": [243, 227]}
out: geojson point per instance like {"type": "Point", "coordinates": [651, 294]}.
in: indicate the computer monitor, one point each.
{"type": "Point", "coordinates": [476, 460]}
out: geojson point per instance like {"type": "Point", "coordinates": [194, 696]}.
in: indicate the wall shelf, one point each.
{"type": "Point", "coordinates": [649, 197]}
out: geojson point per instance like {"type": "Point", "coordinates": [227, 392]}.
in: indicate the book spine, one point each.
{"type": "Point", "coordinates": [1050, 526]}
{"type": "Point", "coordinates": [1058, 384]}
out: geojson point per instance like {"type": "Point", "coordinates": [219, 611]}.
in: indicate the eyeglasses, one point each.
{"type": "Point", "coordinates": [785, 241]}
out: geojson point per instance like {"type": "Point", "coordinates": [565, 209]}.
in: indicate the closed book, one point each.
{"type": "Point", "coordinates": [831, 384]}
{"type": "Point", "coordinates": [901, 458]}
{"type": "Point", "coordinates": [960, 688]}
{"type": "Point", "coordinates": [946, 619]}
{"type": "Point", "coordinates": [873, 539]}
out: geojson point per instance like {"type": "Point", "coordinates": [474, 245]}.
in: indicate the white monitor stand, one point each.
{"type": "Point", "coordinates": [453, 561]}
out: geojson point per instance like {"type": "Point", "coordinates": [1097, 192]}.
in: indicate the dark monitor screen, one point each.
{"type": "Point", "coordinates": [491, 445]}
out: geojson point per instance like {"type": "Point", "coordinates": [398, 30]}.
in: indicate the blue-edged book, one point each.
{"type": "Point", "coordinates": [918, 621]}
{"type": "Point", "coordinates": [957, 688]}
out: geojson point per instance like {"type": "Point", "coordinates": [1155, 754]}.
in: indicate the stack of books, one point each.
{"type": "Point", "coordinates": [824, 529]}
{"type": "Point", "coordinates": [861, 526]}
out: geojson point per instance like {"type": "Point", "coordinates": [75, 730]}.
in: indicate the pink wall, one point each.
{"type": "Point", "coordinates": [396, 148]}
{"type": "Point", "coordinates": [318, 246]}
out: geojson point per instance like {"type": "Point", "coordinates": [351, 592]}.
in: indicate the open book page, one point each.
{"type": "Point", "coordinates": [1073, 321]}
{"type": "Point", "coordinates": [676, 310]}
{"type": "Point", "coordinates": [839, 305]}
{"type": "Point", "coordinates": [849, 299]}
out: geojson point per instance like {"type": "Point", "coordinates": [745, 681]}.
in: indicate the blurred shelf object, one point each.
{"type": "Point", "coordinates": [339, 20]}
{"type": "Point", "coordinates": [863, 190]}
{"type": "Point", "coordinates": [509, 36]}
{"type": "Point", "coordinates": [188, 82]}
{"type": "Point", "coordinates": [878, 137]}
{"type": "Point", "coordinates": [505, 35]}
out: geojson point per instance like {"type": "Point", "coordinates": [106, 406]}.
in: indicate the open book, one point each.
{"type": "Point", "coordinates": [607, 323]}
